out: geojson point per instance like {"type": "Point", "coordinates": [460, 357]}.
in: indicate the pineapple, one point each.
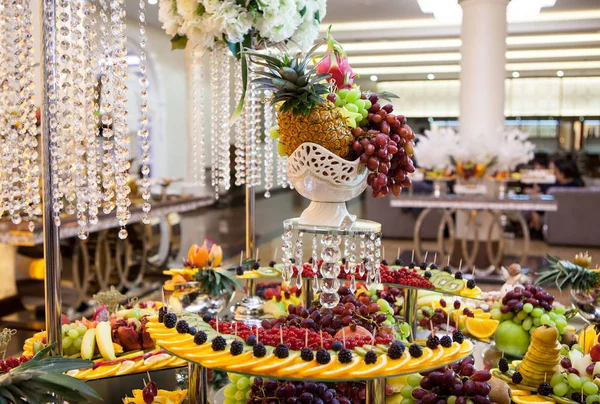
{"type": "Point", "coordinates": [304, 115]}
{"type": "Point", "coordinates": [565, 274]}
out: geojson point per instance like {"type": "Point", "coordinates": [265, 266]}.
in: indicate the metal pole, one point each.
{"type": "Point", "coordinates": [250, 221]}
{"type": "Point", "coordinates": [375, 391]}
{"type": "Point", "coordinates": [198, 384]}
{"type": "Point", "coordinates": [51, 237]}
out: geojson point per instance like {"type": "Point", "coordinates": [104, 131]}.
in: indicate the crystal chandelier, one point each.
{"type": "Point", "coordinates": [517, 10]}
{"type": "Point", "coordinates": [87, 113]}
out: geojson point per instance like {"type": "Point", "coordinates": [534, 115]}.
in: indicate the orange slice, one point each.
{"type": "Point", "coordinates": [466, 347]}
{"type": "Point", "coordinates": [102, 371]}
{"type": "Point", "coordinates": [587, 338]}
{"type": "Point", "coordinates": [317, 369]}
{"type": "Point", "coordinates": [475, 292]}
{"type": "Point", "coordinates": [251, 363]}
{"type": "Point", "coordinates": [128, 367]}
{"type": "Point", "coordinates": [414, 362]}
{"type": "Point", "coordinates": [531, 399]}
{"type": "Point", "coordinates": [153, 362]}
{"type": "Point", "coordinates": [213, 357]}
{"type": "Point", "coordinates": [174, 341]}
{"type": "Point", "coordinates": [296, 367]}
{"type": "Point", "coordinates": [223, 363]}
{"type": "Point", "coordinates": [452, 350]}
{"type": "Point", "coordinates": [342, 368]}
{"type": "Point", "coordinates": [280, 363]}
{"type": "Point", "coordinates": [394, 365]}
{"type": "Point", "coordinates": [486, 316]}
{"type": "Point", "coordinates": [368, 370]}
{"type": "Point", "coordinates": [481, 328]}
{"type": "Point", "coordinates": [517, 392]}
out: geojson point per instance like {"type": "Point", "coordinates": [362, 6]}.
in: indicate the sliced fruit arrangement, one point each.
{"type": "Point", "coordinates": [297, 353]}
{"type": "Point", "coordinates": [278, 299]}
{"type": "Point", "coordinates": [151, 394]}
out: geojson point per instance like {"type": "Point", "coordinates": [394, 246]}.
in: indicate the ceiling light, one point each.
{"type": "Point", "coordinates": [560, 73]}
{"type": "Point", "coordinates": [152, 1]}
{"type": "Point", "coordinates": [451, 11]}
{"type": "Point", "coordinates": [430, 76]}
{"type": "Point", "coordinates": [581, 65]}
{"type": "Point", "coordinates": [365, 71]}
{"type": "Point", "coordinates": [551, 39]}
{"type": "Point", "coordinates": [374, 78]}
{"type": "Point", "coordinates": [404, 58]}
{"type": "Point", "coordinates": [516, 75]}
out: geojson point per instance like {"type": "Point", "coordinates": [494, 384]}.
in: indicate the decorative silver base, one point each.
{"type": "Point", "coordinates": [248, 309]}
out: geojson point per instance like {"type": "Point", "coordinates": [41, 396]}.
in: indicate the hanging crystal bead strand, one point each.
{"type": "Point", "coordinates": [286, 250]}
{"type": "Point", "coordinates": [216, 108]}
{"type": "Point", "coordinates": [299, 256]}
{"type": "Point", "coordinates": [281, 162]}
{"type": "Point", "coordinates": [143, 133]}
{"type": "Point", "coordinates": [240, 127]}
{"type": "Point", "coordinates": [252, 140]}
{"type": "Point", "coordinates": [330, 269]}
{"type": "Point", "coordinates": [224, 141]}
{"type": "Point", "coordinates": [352, 259]}
{"type": "Point", "coordinates": [362, 255]}
{"type": "Point", "coordinates": [268, 155]}
{"type": "Point", "coordinates": [371, 258]}
{"type": "Point", "coordinates": [315, 265]}
{"type": "Point", "coordinates": [5, 63]}
{"type": "Point", "coordinates": [106, 111]}
{"type": "Point", "coordinates": [198, 109]}
{"type": "Point", "coordinates": [377, 263]}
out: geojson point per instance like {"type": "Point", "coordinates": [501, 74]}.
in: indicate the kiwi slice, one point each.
{"type": "Point", "coordinates": [438, 275]}
{"type": "Point", "coordinates": [439, 283]}
{"type": "Point", "coordinates": [266, 271]}
{"type": "Point", "coordinates": [360, 351]}
{"type": "Point", "coordinates": [454, 285]}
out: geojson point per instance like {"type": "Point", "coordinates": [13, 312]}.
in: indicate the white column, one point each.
{"type": "Point", "coordinates": [483, 70]}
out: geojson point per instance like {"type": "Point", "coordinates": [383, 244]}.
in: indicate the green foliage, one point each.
{"type": "Point", "coordinates": [214, 282]}
{"type": "Point", "coordinates": [565, 273]}
{"type": "Point", "coordinates": [36, 381]}
{"type": "Point", "coordinates": [179, 42]}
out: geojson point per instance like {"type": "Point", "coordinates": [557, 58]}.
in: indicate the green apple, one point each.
{"type": "Point", "coordinates": [88, 344]}
{"type": "Point", "coordinates": [104, 340]}
{"type": "Point", "coordinates": [511, 338]}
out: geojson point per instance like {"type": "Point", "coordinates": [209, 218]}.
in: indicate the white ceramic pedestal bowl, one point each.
{"type": "Point", "coordinates": [328, 181]}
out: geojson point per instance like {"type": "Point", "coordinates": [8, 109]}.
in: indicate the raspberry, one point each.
{"type": "Point", "coordinates": [161, 314]}
{"type": "Point", "coordinates": [200, 338]}
{"type": "Point", "coordinates": [259, 350]}
{"type": "Point", "coordinates": [345, 356]}
{"type": "Point", "coordinates": [337, 346]}
{"type": "Point", "coordinates": [458, 336]}
{"type": "Point", "coordinates": [207, 317]}
{"type": "Point", "coordinates": [415, 351]}
{"type": "Point", "coordinates": [251, 340]}
{"type": "Point", "coordinates": [458, 275]}
{"type": "Point", "coordinates": [307, 354]}
{"type": "Point", "coordinates": [446, 341]}
{"type": "Point", "coordinates": [281, 351]}
{"type": "Point", "coordinates": [544, 389]}
{"type": "Point", "coordinates": [370, 358]}
{"type": "Point", "coordinates": [323, 357]}
{"type": "Point", "coordinates": [219, 343]}
{"type": "Point", "coordinates": [503, 365]}
{"type": "Point", "coordinates": [192, 331]}
{"type": "Point", "coordinates": [471, 283]}
{"type": "Point", "coordinates": [170, 320]}
{"type": "Point", "coordinates": [182, 327]}
{"type": "Point", "coordinates": [237, 347]}
{"type": "Point", "coordinates": [433, 342]}
{"type": "Point", "coordinates": [517, 378]}
{"type": "Point", "coordinates": [396, 350]}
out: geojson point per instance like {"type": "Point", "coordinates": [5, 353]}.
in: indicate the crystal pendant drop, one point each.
{"type": "Point", "coordinates": [123, 234]}
{"type": "Point", "coordinates": [353, 283]}
{"type": "Point", "coordinates": [299, 279]}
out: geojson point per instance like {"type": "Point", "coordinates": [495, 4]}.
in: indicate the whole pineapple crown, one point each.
{"type": "Point", "coordinates": [294, 83]}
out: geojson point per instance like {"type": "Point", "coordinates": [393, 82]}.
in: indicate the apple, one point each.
{"type": "Point", "coordinates": [104, 340]}
{"type": "Point", "coordinates": [511, 338]}
{"type": "Point", "coordinates": [88, 344]}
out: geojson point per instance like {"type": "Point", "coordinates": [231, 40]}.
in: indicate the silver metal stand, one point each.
{"type": "Point", "coordinates": [198, 384]}
{"type": "Point", "coordinates": [51, 237]}
{"type": "Point", "coordinates": [375, 391]}
{"type": "Point", "coordinates": [307, 292]}
{"type": "Point", "coordinates": [410, 310]}
{"type": "Point", "coordinates": [250, 221]}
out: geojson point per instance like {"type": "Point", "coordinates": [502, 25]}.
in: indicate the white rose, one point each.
{"type": "Point", "coordinates": [268, 6]}
{"type": "Point", "coordinates": [196, 32]}
{"type": "Point", "coordinates": [281, 26]}
{"type": "Point", "coordinates": [212, 6]}
{"type": "Point", "coordinates": [187, 8]}
{"type": "Point", "coordinates": [167, 14]}
{"type": "Point", "coordinates": [304, 38]}
{"type": "Point", "coordinates": [237, 23]}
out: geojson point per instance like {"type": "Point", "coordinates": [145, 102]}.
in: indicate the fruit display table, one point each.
{"type": "Point", "coordinates": [511, 206]}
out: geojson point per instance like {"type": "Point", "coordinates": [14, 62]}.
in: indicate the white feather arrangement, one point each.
{"type": "Point", "coordinates": [513, 149]}
{"type": "Point", "coordinates": [434, 149]}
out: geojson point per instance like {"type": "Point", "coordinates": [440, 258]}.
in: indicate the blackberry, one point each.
{"type": "Point", "coordinates": [471, 283]}
{"type": "Point", "coordinates": [170, 320]}
{"type": "Point", "coordinates": [323, 357]}
{"type": "Point", "coordinates": [272, 264]}
{"type": "Point", "coordinates": [399, 262]}
{"type": "Point", "coordinates": [415, 351]}
{"type": "Point", "coordinates": [182, 327]}
{"type": "Point", "coordinates": [337, 346]}
{"type": "Point", "coordinates": [259, 350]}
{"type": "Point", "coordinates": [255, 266]}
{"type": "Point", "coordinates": [161, 314]}
{"type": "Point", "coordinates": [545, 389]}
{"type": "Point", "coordinates": [458, 275]}
{"type": "Point", "coordinates": [432, 342]}
{"type": "Point", "coordinates": [433, 266]}
{"type": "Point", "coordinates": [411, 265]}
{"type": "Point", "coordinates": [396, 350]}
{"type": "Point", "coordinates": [517, 378]}
{"type": "Point", "coordinates": [384, 262]}
{"type": "Point", "coordinates": [370, 358]}
{"type": "Point", "coordinates": [192, 331]}
{"type": "Point", "coordinates": [251, 340]}
{"type": "Point", "coordinates": [458, 336]}
{"type": "Point", "coordinates": [200, 338]}
{"type": "Point", "coordinates": [219, 343]}
{"type": "Point", "coordinates": [345, 356]}
{"type": "Point", "coordinates": [447, 268]}
{"type": "Point", "coordinates": [207, 317]}
{"type": "Point", "coordinates": [236, 348]}
{"type": "Point", "coordinates": [281, 351]}
{"type": "Point", "coordinates": [503, 365]}
{"type": "Point", "coordinates": [446, 341]}
{"type": "Point", "coordinates": [307, 354]}
{"type": "Point", "coordinates": [239, 270]}
{"type": "Point", "coordinates": [427, 274]}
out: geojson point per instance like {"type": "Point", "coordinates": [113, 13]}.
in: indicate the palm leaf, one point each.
{"type": "Point", "coordinates": [4, 392]}
{"type": "Point", "coordinates": [71, 383]}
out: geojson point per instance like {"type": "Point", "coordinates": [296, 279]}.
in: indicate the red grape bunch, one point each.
{"type": "Point", "coordinates": [385, 146]}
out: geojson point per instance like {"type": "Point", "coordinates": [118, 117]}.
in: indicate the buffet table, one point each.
{"type": "Point", "coordinates": [513, 207]}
